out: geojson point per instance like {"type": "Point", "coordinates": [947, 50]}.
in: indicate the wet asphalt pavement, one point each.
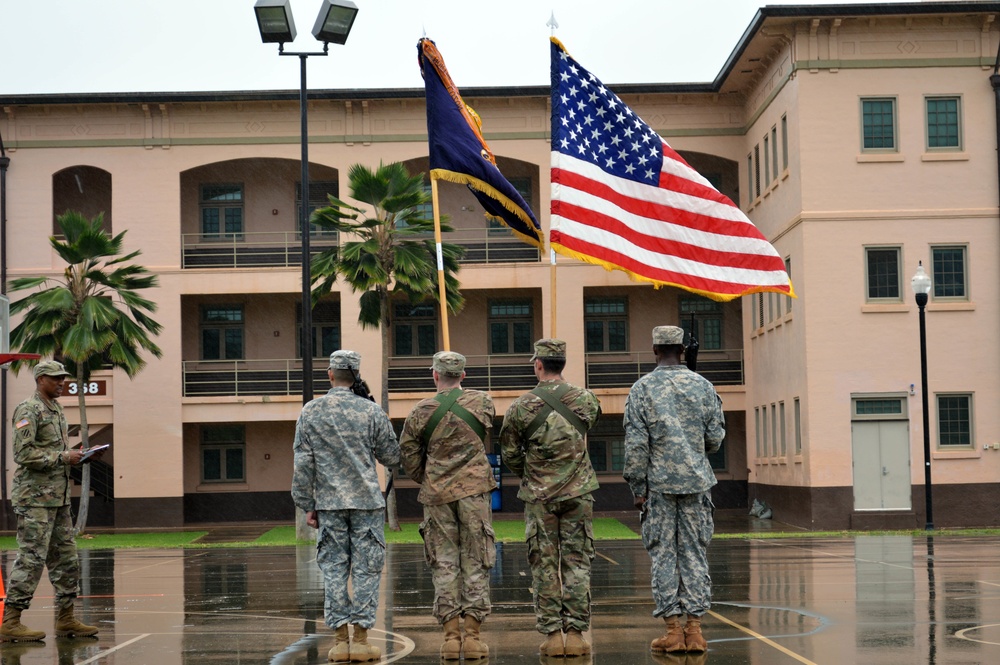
{"type": "Point", "coordinates": [869, 599]}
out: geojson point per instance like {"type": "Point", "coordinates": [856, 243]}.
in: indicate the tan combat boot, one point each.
{"type": "Point", "coordinates": [553, 646]}
{"type": "Point", "coordinates": [575, 644]}
{"type": "Point", "coordinates": [67, 625]}
{"type": "Point", "coordinates": [451, 649]}
{"type": "Point", "coordinates": [673, 640]}
{"type": "Point", "coordinates": [693, 639]}
{"type": "Point", "coordinates": [13, 630]}
{"type": "Point", "coordinates": [341, 651]}
{"type": "Point", "coordinates": [472, 646]}
{"type": "Point", "coordinates": [361, 651]}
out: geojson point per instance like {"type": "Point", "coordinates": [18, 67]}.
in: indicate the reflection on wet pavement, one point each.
{"type": "Point", "coordinates": [871, 599]}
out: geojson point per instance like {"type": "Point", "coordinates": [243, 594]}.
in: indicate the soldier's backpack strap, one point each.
{"type": "Point", "coordinates": [448, 403]}
{"type": "Point", "coordinates": [553, 402]}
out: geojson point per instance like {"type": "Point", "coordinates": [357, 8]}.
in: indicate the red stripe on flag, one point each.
{"type": "Point", "coordinates": [628, 263]}
{"type": "Point", "coordinates": [665, 246]}
{"type": "Point", "coordinates": [656, 211]}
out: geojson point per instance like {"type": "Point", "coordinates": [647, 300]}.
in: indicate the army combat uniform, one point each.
{"type": "Point", "coordinates": [673, 418]}
{"type": "Point", "coordinates": [338, 437]}
{"type": "Point", "coordinates": [456, 481]}
{"type": "Point", "coordinates": [557, 480]}
{"type": "Point", "coordinates": [40, 495]}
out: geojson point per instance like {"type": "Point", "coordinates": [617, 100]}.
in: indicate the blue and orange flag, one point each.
{"type": "Point", "coordinates": [459, 153]}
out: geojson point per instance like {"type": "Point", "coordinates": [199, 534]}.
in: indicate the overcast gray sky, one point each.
{"type": "Point", "coordinates": [67, 46]}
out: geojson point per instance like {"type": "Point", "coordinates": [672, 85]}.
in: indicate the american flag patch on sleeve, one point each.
{"type": "Point", "coordinates": [21, 423]}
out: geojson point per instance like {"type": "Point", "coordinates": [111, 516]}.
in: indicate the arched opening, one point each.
{"type": "Point", "coordinates": [84, 189]}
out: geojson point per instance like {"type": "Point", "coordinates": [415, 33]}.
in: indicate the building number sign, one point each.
{"type": "Point", "coordinates": [89, 388]}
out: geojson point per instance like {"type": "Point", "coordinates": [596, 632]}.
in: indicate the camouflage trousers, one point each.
{"type": "Point", "coordinates": [676, 530]}
{"type": "Point", "coordinates": [460, 549]}
{"type": "Point", "coordinates": [351, 543]}
{"type": "Point", "coordinates": [44, 539]}
{"type": "Point", "coordinates": [560, 538]}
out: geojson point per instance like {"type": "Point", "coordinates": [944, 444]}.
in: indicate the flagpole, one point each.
{"type": "Point", "coordinates": [552, 287]}
{"type": "Point", "coordinates": [442, 297]}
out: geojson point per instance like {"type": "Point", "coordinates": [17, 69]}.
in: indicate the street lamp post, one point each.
{"type": "Point", "coordinates": [274, 19]}
{"type": "Point", "coordinates": [921, 284]}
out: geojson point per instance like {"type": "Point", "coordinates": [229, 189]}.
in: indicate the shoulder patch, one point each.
{"type": "Point", "coordinates": [21, 423]}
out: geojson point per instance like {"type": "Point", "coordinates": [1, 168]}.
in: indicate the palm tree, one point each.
{"type": "Point", "coordinates": [83, 318]}
{"type": "Point", "coordinates": [394, 253]}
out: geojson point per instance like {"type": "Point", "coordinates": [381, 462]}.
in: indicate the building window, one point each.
{"type": "Point", "coordinates": [523, 187]}
{"type": "Point", "coordinates": [949, 273]}
{"type": "Point", "coordinates": [767, 161]}
{"type": "Point", "coordinates": [707, 315]}
{"type": "Point", "coordinates": [774, 151]}
{"type": "Point", "coordinates": [223, 453]}
{"type": "Point", "coordinates": [414, 329]}
{"type": "Point", "coordinates": [774, 430]}
{"type": "Point", "coordinates": [756, 169]}
{"type": "Point", "coordinates": [222, 212]}
{"type": "Point", "coordinates": [781, 425]}
{"type": "Point", "coordinates": [510, 326]}
{"type": "Point", "coordinates": [943, 123]}
{"type": "Point", "coordinates": [222, 332]}
{"type": "Point", "coordinates": [878, 123]}
{"type": "Point", "coordinates": [756, 424]}
{"type": "Point", "coordinates": [882, 268]}
{"type": "Point", "coordinates": [763, 428]}
{"type": "Point", "coordinates": [325, 329]}
{"type": "Point", "coordinates": [750, 195]}
{"type": "Point", "coordinates": [605, 322]}
{"type": "Point", "coordinates": [318, 192]}
{"type": "Point", "coordinates": [954, 420]}
{"type": "Point", "coordinates": [784, 142]}
{"type": "Point", "coordinates": [606, 446]}
{"type": "Point", "coordinates": [788, 270]}
{"type": "Point", "coordinates": [797, 414]}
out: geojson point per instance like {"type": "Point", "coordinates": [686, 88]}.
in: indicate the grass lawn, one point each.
{"type": "Point", "coordinates": [507, 531]}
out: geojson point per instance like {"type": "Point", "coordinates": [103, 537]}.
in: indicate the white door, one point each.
{"type": "Point", "coordinates": [881, 464]}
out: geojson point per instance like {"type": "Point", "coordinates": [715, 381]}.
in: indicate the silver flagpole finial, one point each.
{"type": "Point", "coordinates": [553, 23]}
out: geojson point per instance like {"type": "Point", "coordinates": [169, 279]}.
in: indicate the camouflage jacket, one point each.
{"type": "Point", "coordinates": [40, 438]}
{"type": "Point", "coordinates": [673, 418]}
{"type": "Point", "coordinates": [338, 437]}
{"type": "Point", "coordinates": [553, 463]}
{"type": "Point", "coordinates": [453, 464]}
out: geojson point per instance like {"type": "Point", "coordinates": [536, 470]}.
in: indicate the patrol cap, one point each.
{"type": "Point", "coordinates": [666, 335]}
{"type": "Point", "coordinates": [549, 348]}
{"type": "Point", "coordinates": [448, 363]}
{"type": "Point", "coordinates": [50, 368]}
{"type": "Point", "coordinates": [345, 360]}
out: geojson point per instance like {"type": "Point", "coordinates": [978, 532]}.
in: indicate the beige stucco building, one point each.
{"type": "Point", "coordinates": [859, 139]}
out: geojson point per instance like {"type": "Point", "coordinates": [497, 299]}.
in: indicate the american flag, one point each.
{"type": "Point", "coordinates": [623, 199]}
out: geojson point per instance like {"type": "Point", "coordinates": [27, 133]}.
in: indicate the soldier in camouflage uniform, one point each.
{"type": "Point", "coordinates": [40, 495]}
{"type": "Point", "coordinates": [338, 437]}
{"type": "Point", "coordinates": [673, 419]}
{"type": "Point", "coordinates": [442, 447]}
{"type": "Point", "coordinates": [542, 442]}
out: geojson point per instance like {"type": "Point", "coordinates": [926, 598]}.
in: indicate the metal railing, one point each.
{"type": "Point", "coordinates": [247, 377]}
{"type": "Point", "coordinates": [249, 250]}
{"type": "Point", "coordinates": [492, 372]}
{"type": "Point", "coordinates": [723, 367]}
{"type": "Point", "coordinates": [284, 248]}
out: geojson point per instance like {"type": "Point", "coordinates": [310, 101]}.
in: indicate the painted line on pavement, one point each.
{"type": "Point", "coordinates": [104, 653]}
{"type": "Point", "coordinates": [769, 642]}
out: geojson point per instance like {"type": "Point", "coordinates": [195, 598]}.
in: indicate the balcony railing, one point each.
{"type": "Point", "coordinates": [249, 250]}
{"type": "Point", "coordinates": [412, 374]}
{"type": "Point", "coordinates": [492, 246]}
{"type": "Point", "coordinates": [249, 377]}
{"type": "Point", "coordinates": [723, 367]}
{"type": "Point", "coordinates": [496, 372]}
{"type": "Point", "coordinates": [284, 248]}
